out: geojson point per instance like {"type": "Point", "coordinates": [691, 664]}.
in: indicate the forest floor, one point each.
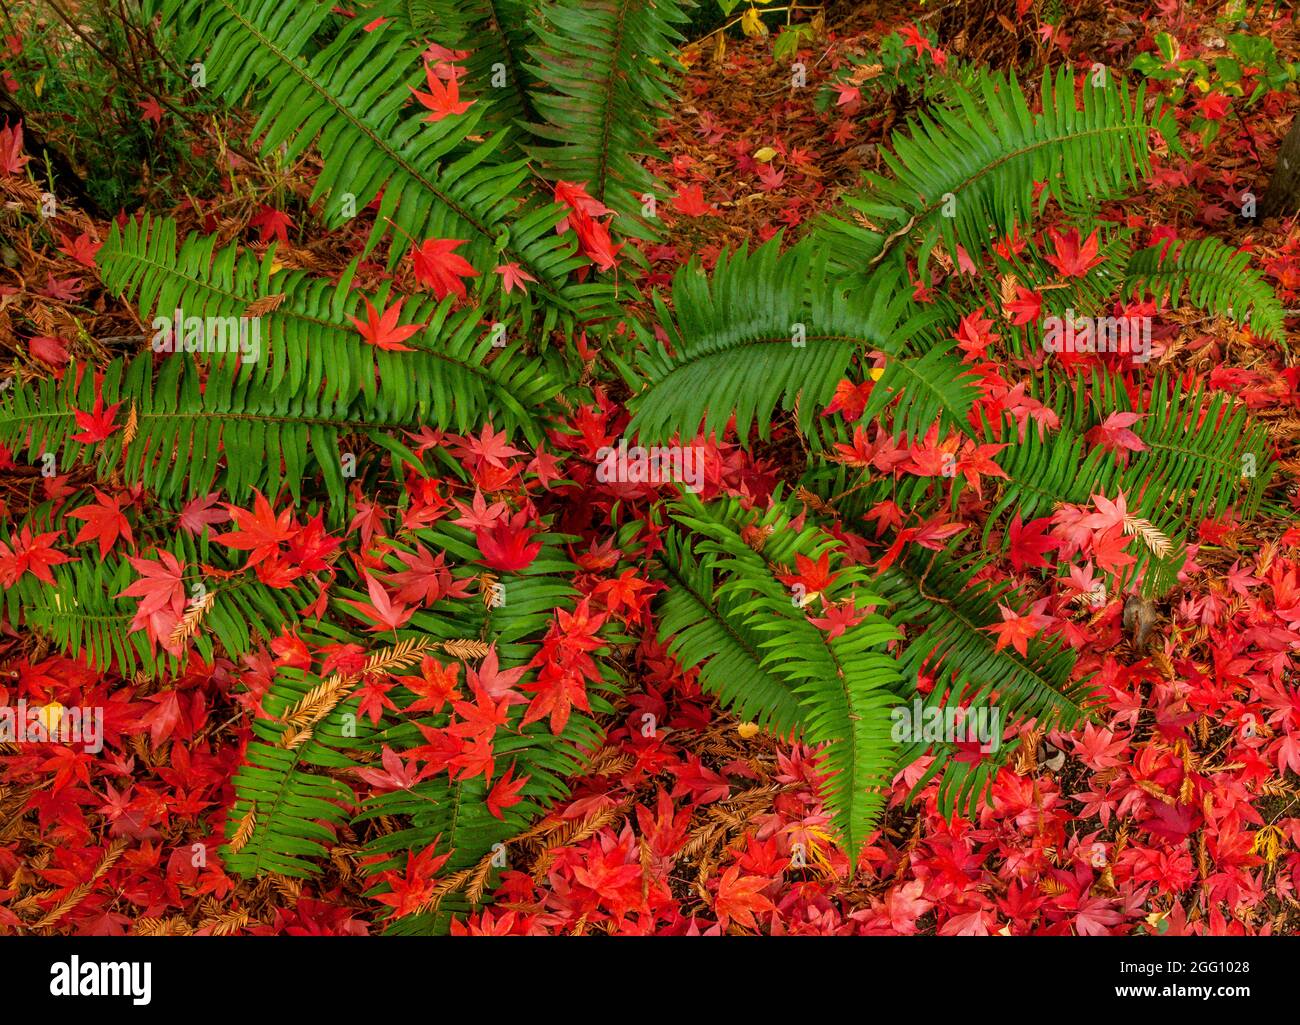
{"type": "Point", "coordinates": [1160, 816]}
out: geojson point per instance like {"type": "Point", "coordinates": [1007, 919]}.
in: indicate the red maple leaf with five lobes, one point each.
{"type": "Point", "coordinates": [410, 891]}
{"type": "Point", "coordinates": [1017, 630]}
{"type": "Point", "coordinates": [104, 522]}
{"type": "Point", "coordinates": [505, 793]}
{"type": "Point", "coordinates": [29, 554]}
{"type": "Point", "coordinates": [513, 276]}
{"type": "Point", "coordinates": [382, 330]}
{"type": "Point", "coordinates": [740, 897]}
{"type": "Point", "coordinates": [1071, 259]}
{"type": "Point", "coordinates": [387, 614]}
{"type": "Point", "coordinates": [161, 590]}
{"type": "Point", "coordinates": [272, 223]}
{"type": "Point", "coordinates": [443, 100]}
{"type": "Point", "coordinates": [508, 545]}
{"type": "Point", "coordinates": [98, 424]}
{"type": "Point", "coordinates": [260, 531]}
{"type": "Point", "coordinates": [438, 266]}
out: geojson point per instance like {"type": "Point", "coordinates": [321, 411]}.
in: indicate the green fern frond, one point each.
{"type": "Point", "coordinates": [965, 173]}
{"type": "Point", "coordinates": [1212, 277]}
{"type": "Point", "coordinates": [294, 806]}
{"type": "Point", "coordinates": [844, 688]}
{"type": "Point", "coordinates": [195, 429]}
{"type": "Point", "coordinates": [495, 34]}
{"type": "Point", "coordinates": [606, 70]}
{"type": "Point", "coordinates": [352, 98]}
{"type": "Point", "coordinates": [1204, 454]}
{"type": "Point", "coordinates": [707, 632]}
{"type": "Point", "coordinates": [771, 330]}
{"type": "Point", "coordinates": [943, 594]}
{"type": "Point", "coordinates": [288, 808]}
{"type": "Point", "coordinates": [83, 615]}
{"type": "Point", "coordinates": [456, 378]}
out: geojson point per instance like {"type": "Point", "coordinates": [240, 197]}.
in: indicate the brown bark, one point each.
{"type": "Point", "coordinates": [47, 158]}
{"type": "Point", "coordinates": [1282, 198]}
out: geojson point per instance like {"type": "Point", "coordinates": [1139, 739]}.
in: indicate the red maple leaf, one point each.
{"type": "Point", "coordinates": [82, 248]}
{"type": "Point", "coordinates": [814, 576]}
{"type": "Point", "coordinates": [438, 267]}
{"type": "Point", "coordinates": [104, 522]}
{"type": "Point", "coordinates": [505, 793]}
{"type": "Point", "coordinates": [1108, 550]}
{"type": "Point", "coordinates": [411, 890]}
{"type": "Point", "coordinates": [480, 717]}
{"type": "Point", "coordinates": [975, 333]}
{"type": "Point", "coordinates": [593, 236]}
{"type": "Point", "coordinates": [1028, 542]}
{"type": "Point", "coordinates": [690, 201]}
{"type": "Point", "coordinates": [30, 554]}
{"type": "Point", "coordinates": [161, 591]}
{"type": "Point", "coordinates": [311, 545]}
{"type": "Point", "coordinates": [426, 578]}
{"type": "Point", "coordinates": [478, 515]}
{"type": "Point", "coordinates": [838, 618]}
{"type": "Point", "coordinates": [1017, 630]}
{"type": "Point", "coordinates": [434, 687]}
{"type": "Point", "coordinates": [975, 461]}
{"type": "Point", "coordinates": [496, 682]}
{"type": "Point", "coordinates": [151, 110]}
{"type": "Point", "coordinates": [1071, 259]}
{"type": "Point", "coordinates": [508, 545]}
{"type": "Point", "coordinates": [739, 898]}
{"type": "Point", "coordinates": [48, 349]}
{"type": "Point", "coordinates": [1109, 514]}
{"type": "Point", "coordinates": [394, 776]}
{"type": "Point", "coordinates": [199, 513]}
{"type": "Point", "coordinates": [490, 448]}
{"type": "Point", "coordinates": [442, 100]}
{"type": "Point", "coordinates": [373, 698]}
{"type": "Point", "coordinates": [513, 276]}
{"type": "Point", "coordinates": [387, 614]}
{"type": "Point", "coordinates": [578, 200]}
{"type": "Point", "coordinates": [595, 241]}
{"type": "Point", "coordinates": [912, 37]}
{"type": "Point", "coordinates": [1113, 433]}
{"type": "Point", "coordinates": [260, 531]}
{"type": "Point", "coordinates": [12, 157]}
{"type": "Point", "coordinates": [96, 425]}
{"type": "Point", "coordinates": [556, 693]}
{"type": "Point", "coordinates": [850, 399]}
{"type": "Point", "coordinates": [163, 718]}
{"type": "Point", "coordinates": [1025, 307]}
{"type": "Point", "coordinates": [271, 223]}
{"type": "Point", "coordinates": [382, 331]}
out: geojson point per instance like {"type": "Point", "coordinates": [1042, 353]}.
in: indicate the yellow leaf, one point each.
{"type": "Point", "coordinates": [1268, 841]}
{"type": "Point", "coordinates": [50, 716]}
{"type": "Point", "coordinates": [876, 373]}
{"type": "Point", "coordinates": [803, 601]}
{"type": "Point", "coordinates": [39, 85]}
{"type": "Point", "coordinates": [765, 154]}
{"type": "Point", "coordinates": [751, 23]}
{"type": "Point", "coordinates": [746, 729]}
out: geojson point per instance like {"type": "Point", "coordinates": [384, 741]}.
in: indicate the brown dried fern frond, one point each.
{"type": "Point", "coordinates": [244, 832]}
